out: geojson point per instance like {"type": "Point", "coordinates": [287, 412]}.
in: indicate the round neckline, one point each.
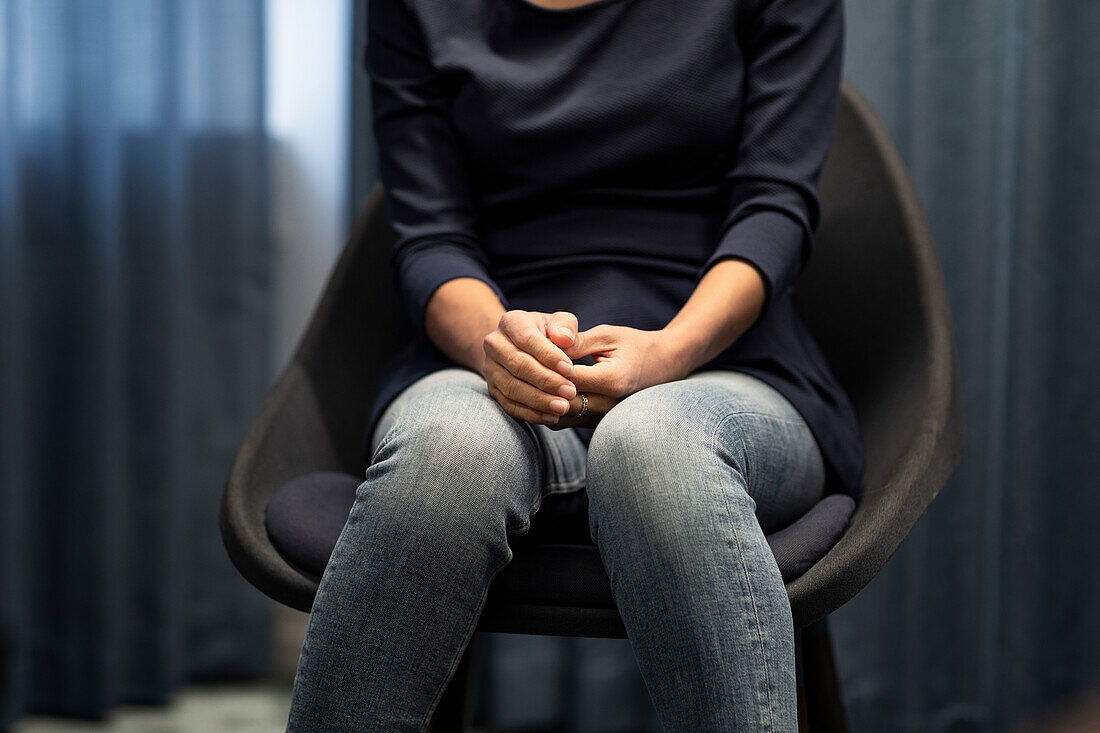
{"type": "Point", "coordinates": [564, 11]}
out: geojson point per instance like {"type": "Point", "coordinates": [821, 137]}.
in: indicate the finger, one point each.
{"type": "Point", "coordinates": [520, 328]}
{"type": "Point", "coordinates": [590, 341]}
{"type": "Point", "coordinates": [519, 391]}
{"type": "Point", "coordinates": [524, 366]}
{"type": "Point", "coordinates": [598, 406]}
{"type": "Point", "coordinates": [561, 328]}
{"type": "Point", "coordinates": [603, 377]}
{"type": "Point", "coordinates": [521, 412]}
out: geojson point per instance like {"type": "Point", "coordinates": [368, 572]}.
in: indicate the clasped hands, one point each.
{"type": "Point", "coordinates": [530, 371]}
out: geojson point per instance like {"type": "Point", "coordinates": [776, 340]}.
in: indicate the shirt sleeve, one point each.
{"type": "Point", "coordinates": [421, 162]}
{"type": "Point", "coordinates": [793, 54]}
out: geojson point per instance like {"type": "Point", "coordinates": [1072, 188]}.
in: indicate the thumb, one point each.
{"type": "Point", "coordinates": [578, 348]}
{"type": "Point", "coordinates": [561, 329]}
{"type": "Point", "coordinates": [591, 341]}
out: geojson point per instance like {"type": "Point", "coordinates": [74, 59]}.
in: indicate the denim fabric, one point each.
{"type": "Point", "coordinates": [683, 478]}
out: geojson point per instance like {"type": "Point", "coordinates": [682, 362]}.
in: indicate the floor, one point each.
{"type": "Point", "coordinates": [262, 708]}
{"type": "Point", "coordinates": [251, 708]}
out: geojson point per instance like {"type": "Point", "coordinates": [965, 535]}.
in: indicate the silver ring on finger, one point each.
{"type": "Point", "coordinates": [584, 405]}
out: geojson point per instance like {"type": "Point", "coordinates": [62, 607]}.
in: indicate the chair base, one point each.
{"type": "Point", "coordinates": [820, 702]}
{"type": "Point", "coordinates": [455, 711]}
{"type": "Point", "coordinates": [519, 618]}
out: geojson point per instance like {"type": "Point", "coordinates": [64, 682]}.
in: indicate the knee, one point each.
{"type": "Point", "coordinates": [449, 422]}
{"type": "Point", "coordinates": [656, 470]}
{"type": "Point", "coordinates": [651, 436]}
{"type": "Point", "coordinates": [455, 459]}
{"type": "Point", "coordinates": [464, 447]}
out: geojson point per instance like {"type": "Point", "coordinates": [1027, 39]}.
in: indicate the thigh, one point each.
{"type": "Point", "coordinates": [462, 394]}
{"type": "Point", "coordinates": [779, 456]}
{"type": "Point", "coordinates": [683, 431]}
{"type": "Point", "coordinates": [446, 391]}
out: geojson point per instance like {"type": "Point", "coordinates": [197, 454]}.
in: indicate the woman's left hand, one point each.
{"type": "Point", "coordinates": [627, 360]}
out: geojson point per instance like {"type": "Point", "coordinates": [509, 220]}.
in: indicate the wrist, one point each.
{"type": "Point", "coordinates": [678, 351]}
{"type": "Point", "coordinates": [475, 356]}
{"type": "Point", "coordinates": [460, 314]}
{"type": "Point", "coordinates": [725, 304]}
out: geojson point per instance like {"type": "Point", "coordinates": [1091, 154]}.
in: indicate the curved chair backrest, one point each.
{"type": "Point", "coordinates": [314, 417]}
{"type": "Point", "coordinates": [873, 296]}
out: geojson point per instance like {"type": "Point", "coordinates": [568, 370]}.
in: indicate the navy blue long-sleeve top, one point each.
{"type": "Point", "coordinates": [600, 159]}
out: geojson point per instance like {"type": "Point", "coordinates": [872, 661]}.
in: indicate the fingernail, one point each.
{"type": "Point", "coordinates": [560, 405]}
{"type": "Point", "coordinates": [565, 367]}
{"type": "Point", "coordinates": [565, 332]}
{"type": "Point", "coordinates": [567, 391]}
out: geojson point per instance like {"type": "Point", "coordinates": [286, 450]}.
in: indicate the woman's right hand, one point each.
{"type": "Point", "coordinates": [525, 367]}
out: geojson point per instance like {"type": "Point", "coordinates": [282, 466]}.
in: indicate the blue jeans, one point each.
{"type": "Point", "coordinates": [684, 479]}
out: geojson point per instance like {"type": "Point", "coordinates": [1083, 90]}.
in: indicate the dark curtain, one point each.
{"type": "Point", "coordinates": [134, 332]}
{"type": "Point", "coordinates": [987, 615]}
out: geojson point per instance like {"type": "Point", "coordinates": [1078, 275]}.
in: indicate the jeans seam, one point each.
{"type": "Point", "coordinates": [397, 409]}
{"type": "Point", "coordinates": [464, 649]}
{"type": "Point", "coordinates": [716, 445]}
{"type": "Point", "coordinates": [472, 628]}
{"type": "Point", "coordinates": [744, 570]}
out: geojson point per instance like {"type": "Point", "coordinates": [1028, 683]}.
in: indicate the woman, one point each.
{"type": "Point", "coordinates": [601, 208]}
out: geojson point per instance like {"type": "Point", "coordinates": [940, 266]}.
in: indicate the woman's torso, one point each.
{"type": "Point", "coordinates": [597, 139]}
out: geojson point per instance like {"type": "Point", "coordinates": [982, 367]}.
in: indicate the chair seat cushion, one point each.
{"type": "Point", "coordinates": [798, 546]}
{"type": "Point", "coordinates": [555, 563]}
{"type": "Point", "coordinates": [306, 515]}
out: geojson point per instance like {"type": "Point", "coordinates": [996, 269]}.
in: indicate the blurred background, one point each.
{"type": "Point", "coordinates": [176, 178]}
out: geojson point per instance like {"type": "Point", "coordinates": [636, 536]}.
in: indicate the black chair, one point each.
{"type": "Point", "coordinates": [873, 295]}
